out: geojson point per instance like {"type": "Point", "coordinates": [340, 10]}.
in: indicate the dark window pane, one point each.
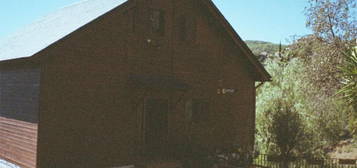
{"type": "Point", "coordinates": [157, 21]}
{"type": "Point", "coordinates": [182, 31]}
{"type": "Point", "coordinates": [133, 19]}
{"type": "Point", "coordinates": [192, 30]}
{"type": "Point", "coordinates": [186, 29]}
{"type": "Point", "coordinates": [200, 110]}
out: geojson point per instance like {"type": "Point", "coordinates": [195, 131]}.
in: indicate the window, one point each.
{"type": "Point", "coordinates": [157, 21]}
{"type": "Point", "coordinates": [133, 20]}
{"type": "Point", "coordinates": [130, 16]}
{"type": "Point", "coordinates": [186, 29]}
{"type": "Point", "coordinates": [182, 31]}
{"type": "Point", "coordinates": [200, 110]}
{"type": "Point", "coordinates": [193, 29]}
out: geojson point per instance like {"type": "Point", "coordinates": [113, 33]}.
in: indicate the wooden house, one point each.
{"type": "Point", "coordinates": [105, 83]}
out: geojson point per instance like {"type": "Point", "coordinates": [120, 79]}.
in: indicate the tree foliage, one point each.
{"type": "Point", "coordinates": [286, 128]}
{"type": "Point", "coordinates": [322, 118]}
{"type": "Point", "coordinates": [349, 89]}
{"type": "Point", "coordinates": [280, 100]}
{"type": "Point", "coordinates": [332, 21]}
{"type": "Point", "coordinates": [306, 80]}
{"type": "Point", "coordinates": [335, 29]}
{"type": "Point", "coordinates": [349, 76]}
{"type": "Point", "coordinates": [259, 47]}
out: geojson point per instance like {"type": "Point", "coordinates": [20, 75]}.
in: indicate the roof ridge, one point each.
{"type": "Point", "coordinates": [37, 20]}
{"type": "Point", "coordinates": [52, 27]}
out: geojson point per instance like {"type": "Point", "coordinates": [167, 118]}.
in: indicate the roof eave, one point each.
{"type": "Point", "coordinates": [264, 75]}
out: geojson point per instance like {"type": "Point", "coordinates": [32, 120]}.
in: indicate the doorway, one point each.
{"type": "Point", "coordinates": [156, 126]}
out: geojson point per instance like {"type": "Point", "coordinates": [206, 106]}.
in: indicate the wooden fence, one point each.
{"type": "Point", "coordinates": [269, 161]}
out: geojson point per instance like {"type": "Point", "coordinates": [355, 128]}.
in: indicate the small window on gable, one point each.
{"type": "Point", "coordinates": [193, 29]}
{"type": "Point", "coordinates": [157, 19]}
{"type": "Point", "coordinates": [130, 16]}
{"type": "Point", "coordinates": [182, 28]}
{"type": "Point", "coordinates": [133, 20]}
{"type": "Point", "coordinates": [200, 110]}
{"type": "Point", "coordinates": [186, 28]}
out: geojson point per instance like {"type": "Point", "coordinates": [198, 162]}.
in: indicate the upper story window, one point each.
{"type": "Point", "coordinates": [133, 20]}
{"type": "Point", "coordinates": [130, 15]}
{"type": "Point", "coordinates": [157, 19]}
{"type": "Point", "coordinates": [182, 28]}
{"type": "Point", "coordinates": [186, 28]}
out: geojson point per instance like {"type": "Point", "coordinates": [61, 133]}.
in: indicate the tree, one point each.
{"type": "Point", "coordinates": [284, 94]}
{"type": "Point", "coordinates": [349, 75]}
{"type": "Point", "coordinates": [334, 25]}
{"type": "Point", "coordinates": [323, 117]}
{"type": "Point", "coordinates": [349, 89]}
{"type": "Point", "coordinates": [286, 129]}
{"type": "Point", "coordinates": [306, 80]}
{"type": "Point", "coordinates": [320, 61]}
{"type": "Point", "coordinates": [332, 21]}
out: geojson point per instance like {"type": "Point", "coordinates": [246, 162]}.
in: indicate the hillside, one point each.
{"type": "Point", "coordinates": [263, 49]}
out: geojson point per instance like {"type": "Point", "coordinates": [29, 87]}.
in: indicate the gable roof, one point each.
{"type": "Point", "coordinates": [41, 34]}
{"type": "Point", "coordinates": [263, 74]}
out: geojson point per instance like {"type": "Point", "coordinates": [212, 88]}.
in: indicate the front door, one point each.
{"type": "Point", "coordinates": [156, 126]}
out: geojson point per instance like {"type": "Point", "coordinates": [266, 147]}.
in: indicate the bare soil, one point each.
{"type": "Point", "coordinates": [346, 149]}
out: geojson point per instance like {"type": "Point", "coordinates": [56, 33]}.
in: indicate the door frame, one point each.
{"type": "Point", "coordinates": [144, 122]}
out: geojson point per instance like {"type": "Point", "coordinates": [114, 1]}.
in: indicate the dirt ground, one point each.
{"type": "Point", "coordinates": [346, 149]}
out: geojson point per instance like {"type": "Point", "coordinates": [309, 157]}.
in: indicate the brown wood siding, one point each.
{"type": "Point", "coordinates": [214, 62]}
{"type": "Point", "coordinates": [96, 117]}
{"type": "Point", "coordinates": [88, 123]}
{"type": "Point", "coordinates": [18, 142]}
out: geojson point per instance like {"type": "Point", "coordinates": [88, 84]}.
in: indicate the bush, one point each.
{"type": "Point", "coordinates": [286, 129]}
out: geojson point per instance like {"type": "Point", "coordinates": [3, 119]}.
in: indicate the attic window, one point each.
{"type": "Point", "coordinates": [186, 28]}
{"type": "Point", "coordinates": [133, 20]}
{"type": "Point", "coordinates": [130, 16]}
{"type": "Point", "coordinates": [157, 19]}
{"type": "Point", "coordinates": [182, 25]}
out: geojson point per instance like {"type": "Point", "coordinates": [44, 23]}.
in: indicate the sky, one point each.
{"type": "Point", "coordinates": [266, 20]}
